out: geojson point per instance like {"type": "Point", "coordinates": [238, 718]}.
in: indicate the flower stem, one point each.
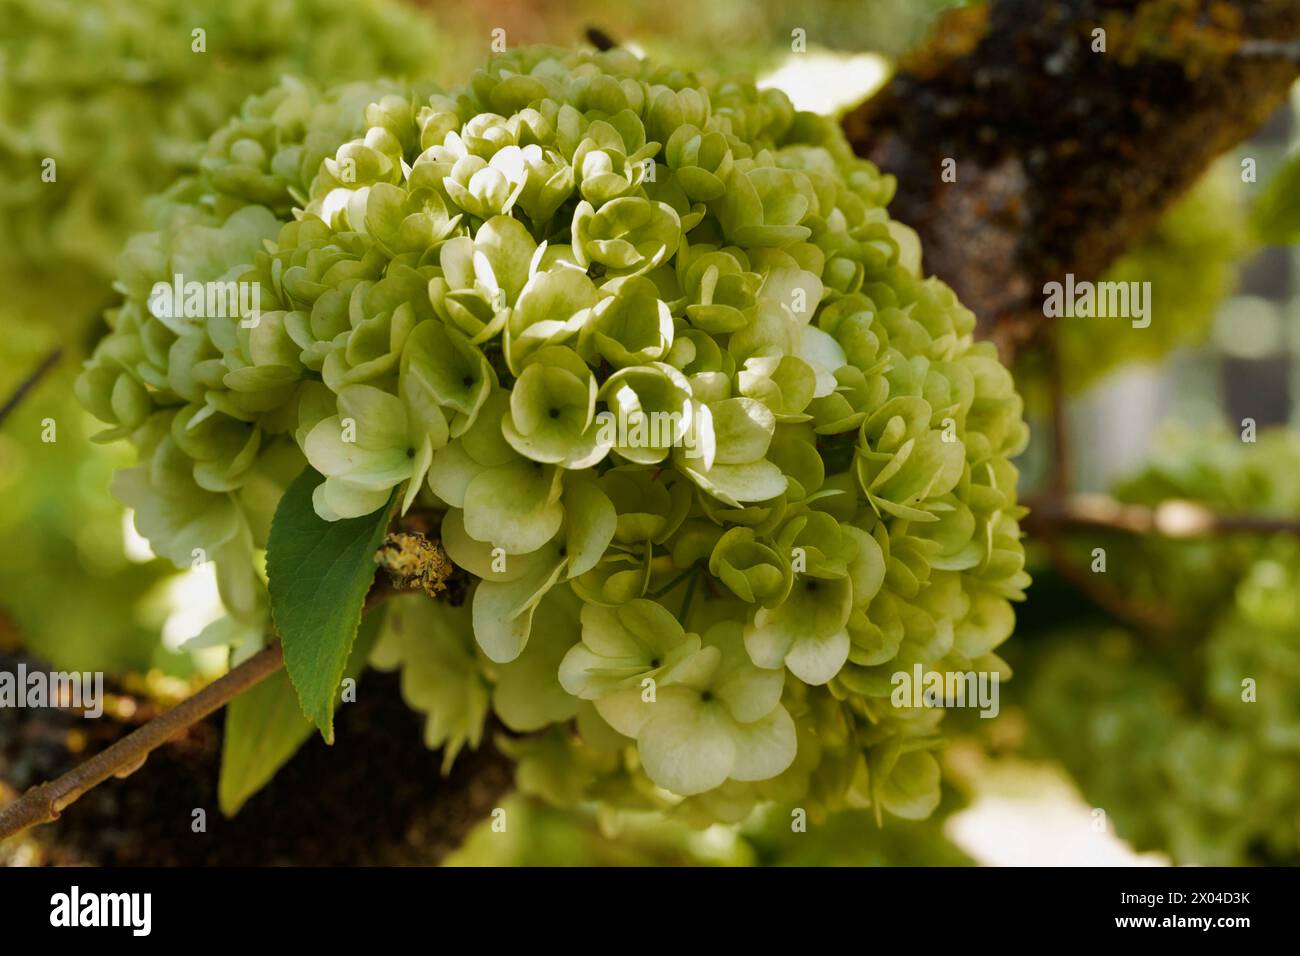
{"type": "Point", "coordinates": [674, 582]}
{"type": "Point", "coordinates": [698, 568]}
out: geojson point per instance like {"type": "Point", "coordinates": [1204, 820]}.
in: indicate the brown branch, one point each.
{"type": "Point", "coordinates": [30, 382]}
{"type": "Point", "coordinates": [44, 802]}
{"type": "Point", "coordinates": [1051, 516]}
{"type": "Point", "coordinates": [379, 761]}
{"type": "Point", "coordinates": [1170, 519]}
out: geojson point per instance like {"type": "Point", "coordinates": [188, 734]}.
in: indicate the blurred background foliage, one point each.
{"type": "Point", "coordinates": [1113, 738]}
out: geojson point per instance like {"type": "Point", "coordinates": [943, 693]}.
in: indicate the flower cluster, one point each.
{"type": "Point", "coordinates": [719, 458]}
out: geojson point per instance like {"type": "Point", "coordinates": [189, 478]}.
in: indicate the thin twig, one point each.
{"type": "Point", "coordinates": [1110, 599]}
{"type": "Point", "coordinates": [653, 595]}
{"type": "Point", "coordinates": [44, 802]}
{"type": "Point", "coordinates": [1174, 518]}
{"type": "Point", "coordinates": [690, 594]}
{"type": "Point", "coordinates": [30, 382]}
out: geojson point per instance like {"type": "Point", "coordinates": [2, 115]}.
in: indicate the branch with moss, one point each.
{"type": "Point", "coordinates": [1069, 127]}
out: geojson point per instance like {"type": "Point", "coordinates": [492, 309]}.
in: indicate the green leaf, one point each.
{"type": "Point", "coordinates": [265, 726]}
{"type": "Point", "coordinates": [318, 573]}
{"type": "Point", "coordinates": [1276, 216]}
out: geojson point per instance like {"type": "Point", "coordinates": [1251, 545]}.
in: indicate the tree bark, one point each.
{"type": "Point", "coordinates": [1065, 155]}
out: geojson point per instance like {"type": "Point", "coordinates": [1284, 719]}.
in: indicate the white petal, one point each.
{"type": "Point", "coordinates": [687, 749]}
{"type": "Point", "coordinates": [342, 499]}
{"type": "Point", "coordinates": [824, 354]}
{"type": "Point", "coordinates": [816, 660]}
{"type": "Point", "coordinates": [625, 711]}
{"type": "Point", "coordinates": [764, 748]}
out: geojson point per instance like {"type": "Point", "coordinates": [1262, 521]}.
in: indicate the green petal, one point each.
{"type": "Point", "coordinates": [503, 612]}
{"type": "Point", "coordinates": [516, 507]}
{"type": "Point", "coordinates": [815, 660]}
{"type": "Point", "coordinates": [591, 522]}
{"type": "Point", "coordinates": [380, 418]}
{"type": "Point", "coordinates": [527, 696]}
{"type": "Point", "coordinates": [765, 747]}
{"type": "Point", "coordinates": [686, 747]}
{"type": "Point", "coordinates": [749, 692]}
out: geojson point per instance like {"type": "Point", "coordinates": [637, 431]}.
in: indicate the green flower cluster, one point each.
{"type": "Point", "coordinates": [721, 460]}
{"type": "Point", "coordinates": [1192, 745]}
